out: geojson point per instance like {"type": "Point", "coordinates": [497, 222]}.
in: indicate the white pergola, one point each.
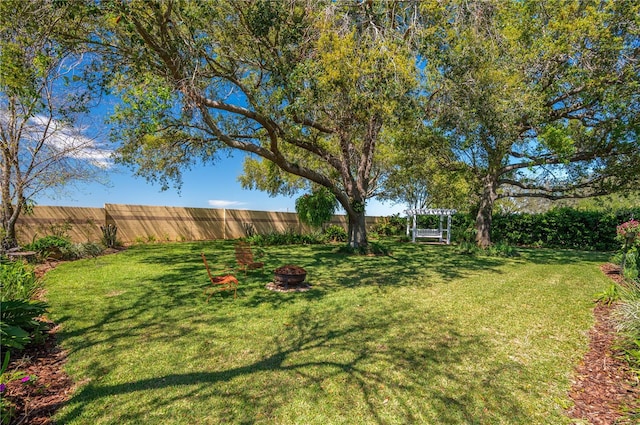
{"type": "Point", "coordinates": [438, 233]}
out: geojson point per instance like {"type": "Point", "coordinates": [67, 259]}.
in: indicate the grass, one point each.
{"type": "Point", "coordinates": [425, 335]}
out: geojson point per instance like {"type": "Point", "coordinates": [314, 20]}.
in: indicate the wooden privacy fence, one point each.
{"type": "Point", "coordinates": [138, 223]}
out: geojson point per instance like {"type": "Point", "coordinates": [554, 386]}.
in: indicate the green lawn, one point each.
{"type": "Point", "coordinates": [424, 336]}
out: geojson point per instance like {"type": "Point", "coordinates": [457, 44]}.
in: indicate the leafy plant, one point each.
{"type": "Point", "coordinates": [467, 248]}
{"type": "Point", "coordinates": [82, 250]}
{"type": "Point", "coordinates": [389, 226]}
{"type": "Point", "coordinates": [49, 245]}
{"type": "Point", "coordinates": [249, 229]}
{"type": "Point", "coordinates": [609, 295]}
{"type": "Point", "coordinates": [288, 237]}
{"type": "Point", "coordinates": [109, 235]}
{"type": "Point", "coordinates": [317, 207]}
{"type": "Point", "coordinates": [17, 281]}
{"type": "Point", "coordinates": [18, 324]}
{"type": "Point", "coordinates": [7, 409]}
{"type": "Point", "coordinates": [335, 233]}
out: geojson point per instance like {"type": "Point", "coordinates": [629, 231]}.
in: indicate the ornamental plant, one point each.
{"type": "Point", "coordinates": [627, 234]}
{"type": "Point", "coordinates": [628, 231]}
{"type": "Point", "coordinates": [7, 408]}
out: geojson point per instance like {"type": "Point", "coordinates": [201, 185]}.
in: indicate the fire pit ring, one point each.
{"type": "Point", "coordinates": [289, 275]}
{"type": "Point", "coordinates": [289, 278]}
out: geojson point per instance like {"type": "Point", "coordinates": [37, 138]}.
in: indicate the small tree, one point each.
{"type": "Point", "coordinates": [41, 97]}
{"type": "Point", "coordinates": [419, 178]}
{"type": "Point", "coordinates": [316, 208]}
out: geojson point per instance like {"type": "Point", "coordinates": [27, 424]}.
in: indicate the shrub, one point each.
{"type": "Point", "coordinates": [335, 233]}
{"type": "Point", "coordinates": [468, 248]}
{"type": "Point", "coordinates": [288, 237]}
{"type": "Point", "coordinates": [17, 281]}
{"type": "Point", "coordinates": [50, 245]}
{"type": "Point", "coordinates": [18, 324]}
{"type": "Point", "coordinates": [389, 226]}
{"type": "Point", "coordinates": [316, 208]}
{"type": "Point", "coordinates": [109, 235]}
{"type": "Point", "coordinates": [609, 295]}
{"type": "Point", "coordinates": [82, 250]}
{"type": "Point", "coordinates": [463, 228]}
{"type": "Point", "coordinates": [557, 228]}
{"type": "Point", "coordinates": [501, 250]}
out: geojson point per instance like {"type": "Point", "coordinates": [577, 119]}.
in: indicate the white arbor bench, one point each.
{"type": "Point", "coordinates": [443, 234]}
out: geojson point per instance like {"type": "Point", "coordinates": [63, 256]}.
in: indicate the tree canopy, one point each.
{"type": "Point", "coordinates": [450, 99]}
{"type": "Point", "coordinates": [538, 99]}
{"type": "Point", "coordinates": [42, 94]}
{"type": "Point", "coordinates": [305, 88]}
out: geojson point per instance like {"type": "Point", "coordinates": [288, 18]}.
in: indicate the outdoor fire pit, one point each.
{"type": "Point", "coordinates": [289, 278]}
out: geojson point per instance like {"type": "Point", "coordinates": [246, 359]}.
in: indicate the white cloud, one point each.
{"type": "Point", "coordinates": [69, 141]}
{"type": "Point", "coordinates": [220, 203]}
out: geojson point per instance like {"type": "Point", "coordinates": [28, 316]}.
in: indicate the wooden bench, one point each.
{"type": "Point", "coordinates": [429, 233]}
{"type": "Point", "coordinates": [25, 255]}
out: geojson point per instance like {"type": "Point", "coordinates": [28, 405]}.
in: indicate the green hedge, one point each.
{"type": "Point", "coordinates": [557, 228]}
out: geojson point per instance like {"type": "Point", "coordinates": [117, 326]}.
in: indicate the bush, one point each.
{"type": "Point", "coordinates": [109, 238]}
{"type": "Point", "coordinates": [50, 245]}
{"type": "Point", "coordinates": [335, 233]}
{"type": "Point", "coordinates": [557, 228]}
{"type": "Point", "coordinates": [82, 250]}
{"type": "Point", "coordinates": [501, 250]}
{"type": "Point", "coordinates": [17, 281]}
{"type": "Point", "coordinates": [390, 226]}
{"type": "Point", "coordinates": [468, 248]}
{"type": "Point", "coordinates": [18, 324]}
{"type": "Point", "coordinates": [288, 237]}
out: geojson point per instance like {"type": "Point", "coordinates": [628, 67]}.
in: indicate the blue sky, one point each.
{"type": "Point", "coordinates": [210, 186]}
{"type": "Point", "coordinates": [204, 186]}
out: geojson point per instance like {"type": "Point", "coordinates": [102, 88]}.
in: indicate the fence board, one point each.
{"type": "Point", "coordinates": [141, 223]}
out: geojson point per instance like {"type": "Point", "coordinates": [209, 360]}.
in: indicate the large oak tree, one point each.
{"type": "Point", "coordinates": [538, 99]}
{"type": "Point", "coordinates": [305, 88]}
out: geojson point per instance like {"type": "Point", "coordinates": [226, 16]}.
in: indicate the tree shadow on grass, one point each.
{"type": "Point", "coordinates": [365, 367]}
{"type": "Point", "coordinates": [183, 279]}
{"type": "Point", "coordinates": [355, 354]}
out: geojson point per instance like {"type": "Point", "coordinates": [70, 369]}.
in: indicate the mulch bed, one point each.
{"type": "Point", "coordinates": [35, 402]}
{"type": "Point", "coordinates": [604, 385]}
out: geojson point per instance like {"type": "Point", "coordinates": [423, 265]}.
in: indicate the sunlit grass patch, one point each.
{"type": "Point", "coordinates": [424, 335]}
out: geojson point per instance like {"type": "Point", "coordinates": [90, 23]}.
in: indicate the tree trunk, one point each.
{"type": "Point", "coordinates": [8, 235]}
{"type": "Point", "coordinates": [357, 229]}
{"type": "Point", "coordinates": [483, 218]}
{"type": "Point", "coordinates": [8, 214]}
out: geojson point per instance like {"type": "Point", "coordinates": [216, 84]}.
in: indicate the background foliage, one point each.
{"type": "Point", "coordinates": [556, 228]}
